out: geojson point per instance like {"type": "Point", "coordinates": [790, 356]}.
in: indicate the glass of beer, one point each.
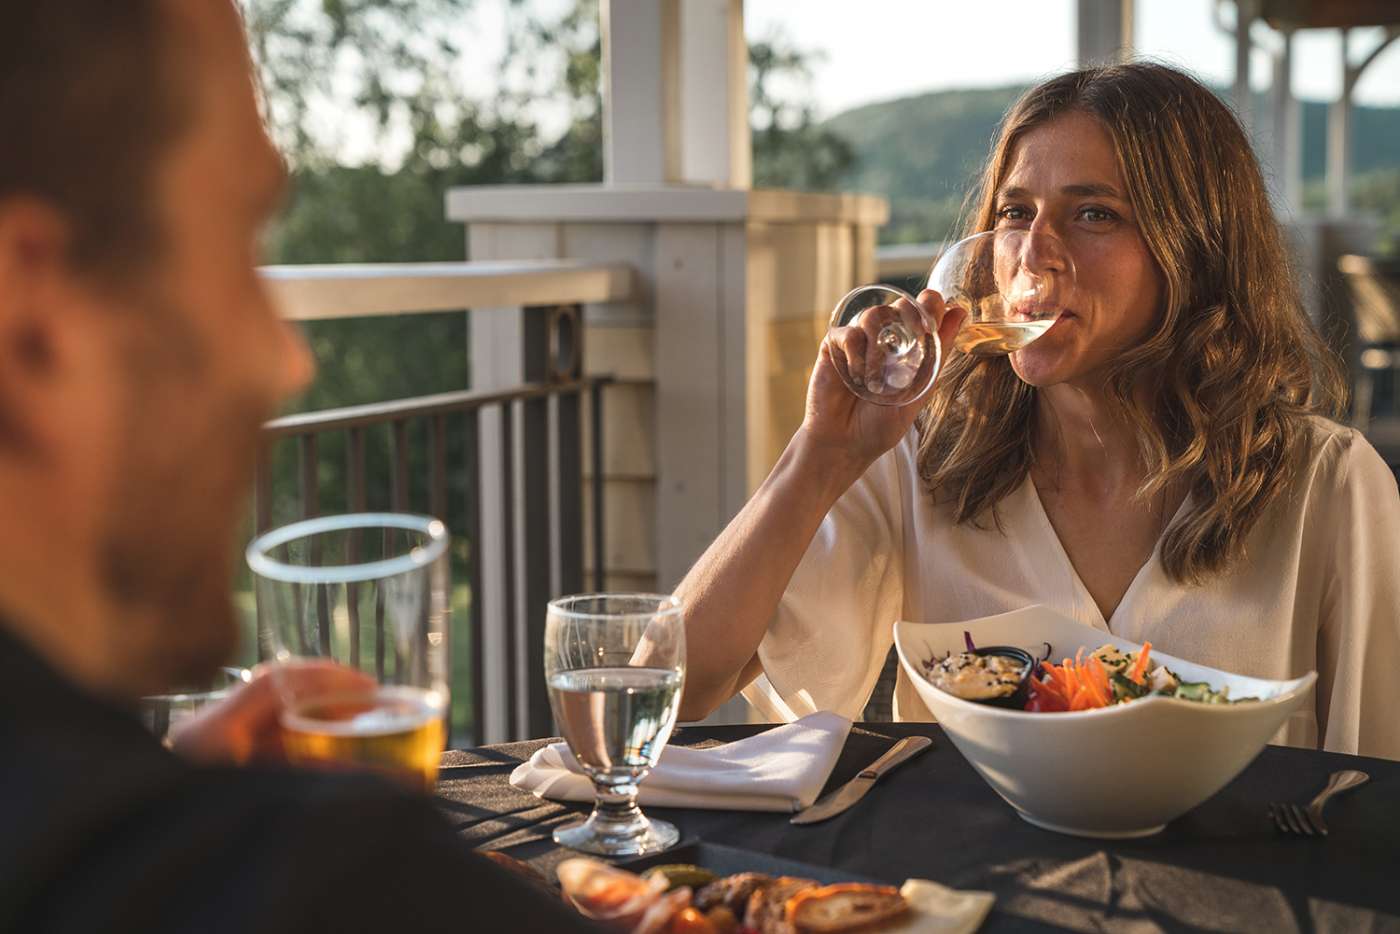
{"type": "Point", "coordinates": [370, 592]}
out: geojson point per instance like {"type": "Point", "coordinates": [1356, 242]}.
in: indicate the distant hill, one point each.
{"type": "Point", "coordinates": [924, 152]}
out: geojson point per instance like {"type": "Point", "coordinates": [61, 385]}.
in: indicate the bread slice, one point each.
{"type": "Point", "coordinates": [846, 906]}
{"type": "Point", "coordinates": [767, 910]}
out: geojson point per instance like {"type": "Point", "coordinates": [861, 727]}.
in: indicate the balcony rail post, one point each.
{"type": "Point", "coordinates": [534, 718]}
{"type": "Point", "coordinates": [566, 327]}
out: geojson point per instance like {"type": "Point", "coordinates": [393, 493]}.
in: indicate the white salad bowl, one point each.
{"type": "Point", "coordinates": [1120, 771]}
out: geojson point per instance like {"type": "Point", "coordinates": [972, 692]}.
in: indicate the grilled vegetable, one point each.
{"type": "Point", "coordinates": [678, 874]}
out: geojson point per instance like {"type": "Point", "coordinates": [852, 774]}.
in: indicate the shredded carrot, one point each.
{"type": "Point", "coordinates": [1074, 684]}
{"type": "Point", "coordinates": [1140, 668]}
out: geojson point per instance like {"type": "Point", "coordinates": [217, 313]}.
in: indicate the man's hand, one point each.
{"type": "Point", "coordinates": [246, 725]}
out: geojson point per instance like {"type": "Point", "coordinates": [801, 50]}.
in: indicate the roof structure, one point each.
{"type": "Point", "coordinates": [1329, 14]}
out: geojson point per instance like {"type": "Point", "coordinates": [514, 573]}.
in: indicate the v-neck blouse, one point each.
{"type": "Point", "coordinates": [1318, 588]}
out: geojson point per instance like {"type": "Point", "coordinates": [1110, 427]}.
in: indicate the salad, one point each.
{"type": "Point", "coordinates": [1110, 676]}
{"type": "Point", "coordinates": [1106, 676]}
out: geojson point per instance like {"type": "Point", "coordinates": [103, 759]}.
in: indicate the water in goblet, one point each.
{"type": "Point", "coordinates": [616, 720]}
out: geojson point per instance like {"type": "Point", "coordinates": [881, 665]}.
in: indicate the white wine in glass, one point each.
{"type": "Point", "coordinates": [1011, 283]}
{"type": "Point", "coordinates": [992, 338]}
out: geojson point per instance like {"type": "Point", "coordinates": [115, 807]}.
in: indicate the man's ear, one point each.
{"type": "Point", "coordinates": [36, 287]}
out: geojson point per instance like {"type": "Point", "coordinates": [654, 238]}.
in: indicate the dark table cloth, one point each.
{"type": "Point", "coordinates": [1221, 867]}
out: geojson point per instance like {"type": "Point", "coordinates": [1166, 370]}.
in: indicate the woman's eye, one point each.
{"type": "Point", "coordinates": [1097, 215]}
{"type": "Point", "coordinates": [1013, 212]}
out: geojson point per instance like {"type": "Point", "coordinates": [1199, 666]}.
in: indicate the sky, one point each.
{"type": "Point", "coordinates": [880, 49]}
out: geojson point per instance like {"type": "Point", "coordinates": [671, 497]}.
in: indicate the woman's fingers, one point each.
{"type": "Point", "coordinates": [847, 347]}
{"type": "Point", "coordinates": [948, 319]}
{"type": "Point", "coordinates": [873, 322]}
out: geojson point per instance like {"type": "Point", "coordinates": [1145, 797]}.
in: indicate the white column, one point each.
{"type": "Point", "coordinates": [641, 111]}
{"type": "Point", "coordinates": [1339, 122]}
{"type": "Point", "coordinates": [1287, 164]}
{"type": "Point", "coordinates": [1244, 103]}
{"type": "Point", "coordinates": [675, 93]}
{"type": "Point", "coordinates": [714, 94]}
{"type": "Point", "coordinates": [1104, 31]}
{"type": "Point", "coordinates": [1339, 139]}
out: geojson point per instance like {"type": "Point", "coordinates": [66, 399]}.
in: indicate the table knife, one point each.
{"type": "Point", "coordinates": [851, 792]}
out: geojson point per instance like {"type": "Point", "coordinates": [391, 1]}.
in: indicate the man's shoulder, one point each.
{"type": "Point", "coordinates": [248, 849]}
{"type": "Point", "coordinates": [266, 849]}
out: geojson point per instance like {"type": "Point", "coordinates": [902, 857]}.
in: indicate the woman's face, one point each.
{"type": "Point", "coordinates": [1064, 180]}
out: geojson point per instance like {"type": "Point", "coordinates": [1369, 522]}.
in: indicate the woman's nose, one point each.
{"type": "Point", "coordinates": [1043, 251]}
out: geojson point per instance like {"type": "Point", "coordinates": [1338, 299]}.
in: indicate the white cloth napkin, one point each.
{"type": "Point", "coordinates": [937, 909]}
{"type": "Point", "coordinates": [782, 769]}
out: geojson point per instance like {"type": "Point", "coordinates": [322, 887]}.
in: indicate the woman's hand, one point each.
{"type": "Point", "coordinates": [849, 428]}
{"type": "Point", "coordinates": [246, 726]}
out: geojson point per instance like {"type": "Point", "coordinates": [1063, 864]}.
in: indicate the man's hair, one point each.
{"type": "Point", "coordinates": [88, 105]}
{"type": "Point", "coordinates": [1240, 366]}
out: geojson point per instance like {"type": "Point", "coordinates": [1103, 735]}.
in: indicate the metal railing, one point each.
{"type": "Point", "coordinates": [501, 466]}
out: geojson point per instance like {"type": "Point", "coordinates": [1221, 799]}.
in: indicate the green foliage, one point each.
{"type": "Point", "coordinates": [790, 150]}
{"type": "Point", "coordinates": [390, 58]}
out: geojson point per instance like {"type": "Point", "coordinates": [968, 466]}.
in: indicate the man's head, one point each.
{"type": "Point", "coordinates": [138, 350]}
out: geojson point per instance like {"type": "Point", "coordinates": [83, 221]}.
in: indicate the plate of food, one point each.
{"type": "Point", "coordinates": [705, 888]}
{"type": "Point", "coordinates": [1084, 732]}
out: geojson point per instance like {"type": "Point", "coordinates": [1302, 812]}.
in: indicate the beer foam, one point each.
{"type": "Point", "coordinates": [391, 710]}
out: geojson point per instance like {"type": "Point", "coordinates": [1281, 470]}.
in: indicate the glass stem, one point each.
{"type": "Point", "coordinates": [615, 807]}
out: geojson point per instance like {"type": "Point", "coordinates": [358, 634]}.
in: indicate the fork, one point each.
{"type": "Point", "coordinates": [1291, 818]}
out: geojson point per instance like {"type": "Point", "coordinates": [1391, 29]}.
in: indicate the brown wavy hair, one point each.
{"type": "Point", "coordinates": [1234, 366]}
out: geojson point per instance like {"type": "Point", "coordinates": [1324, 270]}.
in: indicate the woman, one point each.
{"type": "Point", "coordinates": [1159, 464]}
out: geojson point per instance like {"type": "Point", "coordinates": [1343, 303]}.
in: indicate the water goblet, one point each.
{"type": "Point", "coordinates": [614, 666]}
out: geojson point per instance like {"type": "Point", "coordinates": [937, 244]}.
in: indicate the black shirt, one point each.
{"type": "Point", "coordinates": [103, 829]}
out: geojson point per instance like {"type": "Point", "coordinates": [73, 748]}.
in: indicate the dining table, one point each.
{"type": "Point", "coordinates": [1223, 866]}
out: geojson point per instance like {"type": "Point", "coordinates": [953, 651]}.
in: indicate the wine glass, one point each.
{"type": "Point", "coordinates": [614, 665]}
{"type": "Point", "coordinates": [370, 592]}
{"type": "Point", "coordinates": [1011, 285]}
{"type": "Point", "coordinates": [165, 714]}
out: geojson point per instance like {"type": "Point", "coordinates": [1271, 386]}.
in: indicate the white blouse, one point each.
{"type": "Point", "coordinates": [1319, 588]}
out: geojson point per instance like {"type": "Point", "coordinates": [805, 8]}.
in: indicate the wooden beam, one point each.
{"type": "Point", "coordinates": [307, 293]}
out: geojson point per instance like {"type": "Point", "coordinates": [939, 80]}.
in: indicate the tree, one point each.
{"type": "Point", "coordinates": [790, 149]}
